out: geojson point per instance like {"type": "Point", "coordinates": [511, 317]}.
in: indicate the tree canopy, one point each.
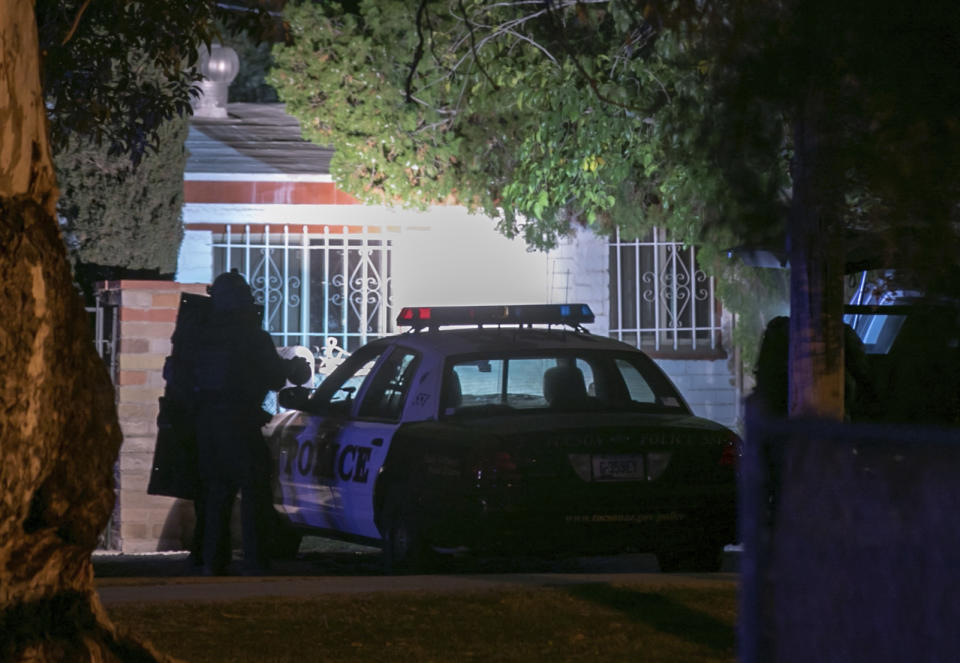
{"type": "Point", "coordinates": [864, 108]}
{"type": "Point", "coordinates": [115, 70]}
{"type": "Point", "coordinates": [544, 115]}
{"type": "Point", "coordinates": [723, 121]}
{"type": "Point", "coordinates": [611, 113]}
{"type": "Point", "coordinates": [118, 92]}
{"type": "Point", "coordinates": [876, 83]}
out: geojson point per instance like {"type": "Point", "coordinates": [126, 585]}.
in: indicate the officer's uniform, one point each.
{"type": "Point", "coordinates": [236, 364]}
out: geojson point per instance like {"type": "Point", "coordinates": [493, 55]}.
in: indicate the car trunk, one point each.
{"type": "Point", "coordinates": [577, 479]}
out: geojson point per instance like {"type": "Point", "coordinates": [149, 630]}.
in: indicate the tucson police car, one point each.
{"type": "Point", "coordinates": [504, 429]}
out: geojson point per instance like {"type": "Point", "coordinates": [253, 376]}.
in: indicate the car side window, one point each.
{"type": "Point", "coordinates": [388, 390]}
{"type": "Point", "coordinates": [590, 381]}
{"type": "Point", "coordinates": [637, 386]}
{"type": "Point", "coordinates": [480, 382]}
{"type": "Point", "coordinates": [337, 392]}
{"type": "Point", "coordinates": [525, 381]}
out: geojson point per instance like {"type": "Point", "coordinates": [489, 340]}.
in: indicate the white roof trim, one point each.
{"type": "Point", "coordinates": [257, 177]}
{"type": "Point", "coordinates": [291, 214]}
{"type": "Point", "coordinates": [281, 214]}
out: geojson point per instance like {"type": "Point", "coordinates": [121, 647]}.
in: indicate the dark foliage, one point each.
{"type": "Point", "coordinates": [876, 81]}
{"type": "Point", "coordinates": [98, 58]}
{"type": "Point", "coordinates": [118, 77]}
{"type": "Point", "coordinates": [121, 220]}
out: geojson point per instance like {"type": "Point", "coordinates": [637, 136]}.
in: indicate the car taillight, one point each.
{"type": "Point", "coordinates": [504, 462]}
{"type": "Point", "coordinates": [730, 456]}
{"type": "Point", "coordinates": [497, 468]}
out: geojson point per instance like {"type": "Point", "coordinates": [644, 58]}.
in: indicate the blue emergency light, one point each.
{"type": "Point", "coordinates": [421, 317]}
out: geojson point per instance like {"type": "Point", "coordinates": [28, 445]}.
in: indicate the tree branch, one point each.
{"type": "Point", "coordinates": [591, 81]}
{"type": "Point", "coordinates": [473, 47]}
{"type": "Point", "coordinates": [418, 52]}
{"type": "Point", "coordinates": [505, 28]}
{"type": "Point", "coordinates": [76, 22]}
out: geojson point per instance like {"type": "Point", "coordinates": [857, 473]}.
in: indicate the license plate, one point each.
{"type": "Point", "coordinates": [619, 468]}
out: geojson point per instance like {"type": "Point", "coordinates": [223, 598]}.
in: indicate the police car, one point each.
{"type": "Point", "coordinates": [503, 429]}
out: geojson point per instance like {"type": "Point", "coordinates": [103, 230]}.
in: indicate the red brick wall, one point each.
{"type": "Point", "coordinates": [147, 314]}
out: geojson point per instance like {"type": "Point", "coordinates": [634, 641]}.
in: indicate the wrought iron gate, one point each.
{"type": "Point", "coordinates": [104, 321]}
{"type": "Point", "coordinates": [314, 283]}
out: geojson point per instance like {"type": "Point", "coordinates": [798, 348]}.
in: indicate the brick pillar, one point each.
{"type": "Point", "coordinates": [147, 313]}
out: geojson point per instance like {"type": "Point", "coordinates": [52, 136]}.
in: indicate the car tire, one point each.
{"type": "Point", "coordinates": [285, 542]}
{"type": "Point", "coordinates": [404, 548]}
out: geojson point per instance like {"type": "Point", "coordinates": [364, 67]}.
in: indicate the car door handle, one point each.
{"type": "Point", "coordinates": [378, 442]}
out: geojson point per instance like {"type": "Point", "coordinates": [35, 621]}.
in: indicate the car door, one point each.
{"type": "Point", "coordinates": [364, 441]}
{"type": "Point", "coordinates": [311, 448]}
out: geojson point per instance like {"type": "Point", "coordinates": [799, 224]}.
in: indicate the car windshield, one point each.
{"type": "Point", "coordinates": [559, 381]}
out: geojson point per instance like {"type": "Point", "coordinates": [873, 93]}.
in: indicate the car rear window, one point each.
{"type": "Point", "coordinates": [557, 382]}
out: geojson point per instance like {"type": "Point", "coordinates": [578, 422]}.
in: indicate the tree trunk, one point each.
{"type": "Point", "coordinates": [816, 375]}
{"type": "Point", "coordinates": [59, 435]}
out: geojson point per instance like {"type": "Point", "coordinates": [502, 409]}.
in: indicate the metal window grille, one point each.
{"type": "Point", "coordinates": [313, 286]}
{"type": "Point", "coordinates": [660, 300]}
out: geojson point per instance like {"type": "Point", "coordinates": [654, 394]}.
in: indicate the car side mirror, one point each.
{"type": "Point", "coordinates": [293, 398]}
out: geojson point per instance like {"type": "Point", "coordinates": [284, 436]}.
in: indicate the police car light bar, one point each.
{"type": "Point", "coordinates": [420, 317]}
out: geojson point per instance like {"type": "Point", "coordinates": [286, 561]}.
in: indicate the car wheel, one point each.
{"type": "Point", "coordinates": [404, 548]}
{"type": "Point", "coordinates": [285, 542]}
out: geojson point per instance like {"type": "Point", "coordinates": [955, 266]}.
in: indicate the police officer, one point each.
{"type": "Point", "coordinates": [236, 364]}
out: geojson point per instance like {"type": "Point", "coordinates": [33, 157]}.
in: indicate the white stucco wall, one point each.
{"type": "Point", "coordinates": [578, 271]}
{"type": "Point", "coordinates": [195, 260]}
{"type": "Point", "coordinates": [441, 256]}
{"type": "Point", "coordinates": [709, 386]}
{"type": "Point", "coordinates": [446, 256]}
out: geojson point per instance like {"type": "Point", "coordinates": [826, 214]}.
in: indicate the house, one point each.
{"type": "Point", "coordinates": [331, 274]}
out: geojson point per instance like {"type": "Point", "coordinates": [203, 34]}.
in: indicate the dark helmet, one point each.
{"type": "Point", "coordinates": [230, 292]}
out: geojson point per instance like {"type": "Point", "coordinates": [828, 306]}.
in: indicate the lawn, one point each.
{"type": "Point", "coordinates": [591, 622]}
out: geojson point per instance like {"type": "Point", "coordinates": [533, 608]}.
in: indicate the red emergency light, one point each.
{"type": "Point", "coordinates": [421, 317]}
{"type": "Point", "coordinates": [409, 314]}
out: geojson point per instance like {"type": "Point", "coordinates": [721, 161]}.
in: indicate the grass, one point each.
{"type": "Point", "coordinates": [592, 622]}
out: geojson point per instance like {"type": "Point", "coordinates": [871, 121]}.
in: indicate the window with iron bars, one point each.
{"type": "Point", "coordinates": [313, 286]}
{"type": "Point", "coordinates": [660, 300]}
